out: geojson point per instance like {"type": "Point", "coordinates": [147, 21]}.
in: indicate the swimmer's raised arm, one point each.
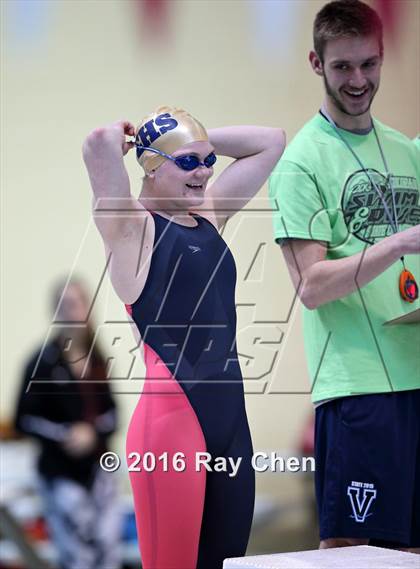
{"type": "Point", "coordinates": [119, 216]}
{"type": "Point", "coordinates": [256, 150]}
{"type": "Point", "coordinates": [113, 205]}
{"type": "Point", "coordinates": [103, 152]}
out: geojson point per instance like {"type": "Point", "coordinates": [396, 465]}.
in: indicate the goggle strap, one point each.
{"type": "Point", "coordinates": [155, 150]}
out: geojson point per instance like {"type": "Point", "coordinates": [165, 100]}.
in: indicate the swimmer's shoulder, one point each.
{"type": "Point", "coordinates": [129, 252]}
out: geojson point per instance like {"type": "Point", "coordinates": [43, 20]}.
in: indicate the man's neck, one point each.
{"type": "Point", "coordinates": [348, 122]}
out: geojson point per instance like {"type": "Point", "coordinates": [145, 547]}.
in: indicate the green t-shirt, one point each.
{"type": "Point", "coordinates": [319, 192]}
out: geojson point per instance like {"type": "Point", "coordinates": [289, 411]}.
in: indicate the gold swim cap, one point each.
{"type": "Point", "coordinates": [167, 129]}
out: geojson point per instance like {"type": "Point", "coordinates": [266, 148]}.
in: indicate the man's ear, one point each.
{"type": "Point", "coordinates": [316, 63]}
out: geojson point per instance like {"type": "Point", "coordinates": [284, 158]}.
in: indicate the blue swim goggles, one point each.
{"type": "Point", "coordinates": [187, 162]}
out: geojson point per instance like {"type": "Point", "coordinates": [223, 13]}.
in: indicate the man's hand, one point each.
{"type": "Point", "coordinates": [408, 240]}
{"type": "Point", "coordinates": [318, 281]}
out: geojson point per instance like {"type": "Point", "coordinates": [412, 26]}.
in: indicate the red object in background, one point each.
{"type": "Point", "coordinates": [154, 18]}
{"type": "Point", "coordinates": [36, 530]}
{"type": "Point", "coordinates": [390, 12]}
{"type": "Point", "coordinates": [307, 441]}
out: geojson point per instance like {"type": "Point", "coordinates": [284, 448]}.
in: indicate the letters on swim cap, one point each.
{"type": "Point", "coordinates": [167, 129]}
{"type": "Point", "coordinates": [148, 133]}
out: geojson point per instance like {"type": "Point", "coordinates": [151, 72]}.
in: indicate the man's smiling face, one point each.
{"type": "Point", "coordinates": [351, 72]}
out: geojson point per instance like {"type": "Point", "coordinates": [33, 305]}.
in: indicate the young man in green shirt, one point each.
{"type": "Point", "coordinates": [346, 195]}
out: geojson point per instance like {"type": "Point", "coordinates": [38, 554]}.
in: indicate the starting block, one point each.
{"type": "Point", "coordinates": [357, 557]}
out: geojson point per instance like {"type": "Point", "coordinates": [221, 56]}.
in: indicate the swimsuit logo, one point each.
{"type": "Point", "coordinates": [363, 209]}
{"type": "Point", "coordinates": [361, 495]}
{"type": "Point", "coordinates": [194, 248]}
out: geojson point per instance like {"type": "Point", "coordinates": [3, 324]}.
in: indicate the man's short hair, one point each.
{"type": "Point", "coordinates": [344, 19]}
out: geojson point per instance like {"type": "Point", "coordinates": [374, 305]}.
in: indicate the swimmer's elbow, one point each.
{"type": "Point", "coordinates": [279, 140]}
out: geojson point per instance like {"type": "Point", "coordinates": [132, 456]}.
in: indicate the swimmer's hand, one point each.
{"type": "Point", "coordinates": [110, 137]}
{"type": "Point", "coordinates": [81, 439]}
{"type": "Point", "coordinates": [103, 152]}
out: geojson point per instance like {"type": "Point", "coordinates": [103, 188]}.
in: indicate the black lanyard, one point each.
{"type": "Point", "coordinates": [393, 219]}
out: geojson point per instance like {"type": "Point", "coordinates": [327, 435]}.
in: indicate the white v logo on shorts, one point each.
{"type": "Point", "coordinates": [360, 507]}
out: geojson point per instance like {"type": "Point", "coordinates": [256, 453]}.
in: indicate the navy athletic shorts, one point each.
{"type": "Point", "coordinates": [367, 477]}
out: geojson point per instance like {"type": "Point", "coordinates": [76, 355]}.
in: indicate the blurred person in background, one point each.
{"type": "Point", "coordinates": [177, 276]}
{"type": "Point", "coordinates": [347, 191]}
{"type": "Point", "coordinates": [72, 414]}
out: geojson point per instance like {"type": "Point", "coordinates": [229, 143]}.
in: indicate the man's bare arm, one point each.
{"type": "Point", "coordinates": [318, 281]}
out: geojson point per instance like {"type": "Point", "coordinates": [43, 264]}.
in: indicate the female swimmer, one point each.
{"type": "Point", "coordinates": [176, 275]}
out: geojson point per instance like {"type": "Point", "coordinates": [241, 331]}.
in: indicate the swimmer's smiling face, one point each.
{"type": "Point", "coordinates": [183, 188]}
